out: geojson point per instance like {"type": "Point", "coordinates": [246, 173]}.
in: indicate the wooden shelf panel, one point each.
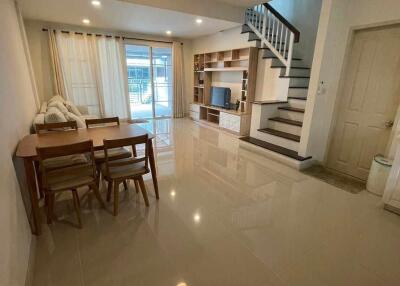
{"type": "Point", "coordinates": [232, 69]}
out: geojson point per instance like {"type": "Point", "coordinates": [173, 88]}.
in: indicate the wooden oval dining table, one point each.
{"type": "Point", "coordinates": [27, 151]}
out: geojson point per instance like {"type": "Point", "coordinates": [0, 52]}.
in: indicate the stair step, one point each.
{"type": "Point", "coordinates": [287, 121]}
{"type": "Point", "coordinates": [294, 109]}
{"type": "Point", "coordinates": [299, 87]}
{"type": "Point", "coordinates": [278, 133]}
{"type": "Point", "coordinates": [275, 148]}
{"type": "Point", "coordinates": [283, 67]}
{"type": "Point", "coordinates": [297, 97]}
{"type": "Point", "coordinates": [276, 58]}
{"type": "Point", "coordinates": [293, 76]}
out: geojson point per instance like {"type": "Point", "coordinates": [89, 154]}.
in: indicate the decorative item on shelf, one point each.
{"type": "Point", "coordinates": [201, 82]}
{"type": "Point", "coordinates": [196, 67]}
{"type": "Point", "coordinates": [244, 97]}
{"type": "Point", "coordinates": [237, 105]}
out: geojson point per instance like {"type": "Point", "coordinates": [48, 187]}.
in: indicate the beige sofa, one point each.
{"type": "Point", "coordinates": [57, 109]}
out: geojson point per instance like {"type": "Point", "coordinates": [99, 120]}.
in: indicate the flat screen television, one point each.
{"type": "Point", "coordinates": [221, 97]}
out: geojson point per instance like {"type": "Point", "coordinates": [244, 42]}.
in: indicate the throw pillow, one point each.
{"type": "Point", "coordinates": [59, 105]}
{"type": "Point", "coordinates": [57, 98]}
{"type": "Point", "coordinates": [43, 108]}
{"type": "Point", "coordinates": [74, 117]}
{"type": "Point", "coordinates": [54, 115]}
{"type": "Point", "coordinates": [72, 108]}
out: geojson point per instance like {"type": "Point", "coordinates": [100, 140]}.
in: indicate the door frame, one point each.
{"type": "Point", "coordinates": [150, 44]}
{"type": "Point", "coordinates": [340, 95]}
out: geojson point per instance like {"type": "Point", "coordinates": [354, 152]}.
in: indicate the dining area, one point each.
{"type": "Point", "coordinates": [60, 158]}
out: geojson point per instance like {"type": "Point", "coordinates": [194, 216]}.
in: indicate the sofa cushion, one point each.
{"type": "Point", "coordinates": [59, 105]}
{"type": "Point", "coordinates": [43, 108]}
{"type": "Point", "coordinates": [54, 115]}
{"type": "Point", "coordinates": [39, 119]}
{"type": "Point", "coordinates": [72, 108]}
{"type": "Point", "coordinates": [74, 117]}
{"type": "Point", "coordinates": [57, 98]}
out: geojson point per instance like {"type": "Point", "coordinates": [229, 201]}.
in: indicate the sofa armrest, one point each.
{"type": "Point", "coordinates": [83, 109]}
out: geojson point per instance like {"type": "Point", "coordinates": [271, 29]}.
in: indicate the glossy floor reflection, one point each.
{"type": "Point", "coordinates": [226, 217]}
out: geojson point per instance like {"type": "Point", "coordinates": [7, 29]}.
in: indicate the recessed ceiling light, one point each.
{"type": "Point", "coordinates": [168, 32]}
{"type": "Point", "coordinates": [199, 21]}
{"type": "Point", "coordinates": [96, 3]}
{"type": "Point", "coordinates": [86, 21]}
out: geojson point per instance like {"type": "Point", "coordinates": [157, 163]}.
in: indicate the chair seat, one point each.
{"type": "Point", "coordinates": [113, 154]}
{"type": "Point", "coordinates": [70, 177]}
{"type": "Point", "coordinates": [126, 171]}
{"type": "Point", "coordinates": [65, 161]}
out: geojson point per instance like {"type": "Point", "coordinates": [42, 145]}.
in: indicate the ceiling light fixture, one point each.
{"type": "Point", "coordinates": [86, 21]}
{"type": "Point", "coordinates": [168, 32]}
{"type": "Point", "coordinates": [96, 3]}
{"type": "Point", "coordinates": [199, 21]}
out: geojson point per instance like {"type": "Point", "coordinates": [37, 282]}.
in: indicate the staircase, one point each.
{"type": "Point", "coordinates": [276, 125]}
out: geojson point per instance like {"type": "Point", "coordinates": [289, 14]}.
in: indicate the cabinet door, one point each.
{"type": "Point", "coordinates": [230, 122]}
{"type": "Point", "coordinates": [194, 115]}
{"type": "Point", "coordinates": [223, 118]}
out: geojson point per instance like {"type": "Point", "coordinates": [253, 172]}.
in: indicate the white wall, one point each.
{"type": "Point", "coordinates": [17, 109]}
{"type": "Point", "coordinates": [338, 19]}
{"type": "Point", "coordinates": [304, 15]}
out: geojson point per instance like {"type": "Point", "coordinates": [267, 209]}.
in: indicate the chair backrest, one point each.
{"type": "Point", "coordinates": [90, 122]}
{"type": "Point", "coordinates": [85, 147]}
{"type": "Point", "coordinates": [57, 126]}
{"type": "Point", "coordinates": [132, 141]}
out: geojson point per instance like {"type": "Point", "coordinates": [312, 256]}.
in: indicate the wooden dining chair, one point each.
{"type": "Point", "coordinates": [113, 154]}
{"type": "Point", "coordinates": [57, 126]}
{"type": "Point", "coordinates": [117, 171]}
{"type": "Point", "coordinates": [68, 178]}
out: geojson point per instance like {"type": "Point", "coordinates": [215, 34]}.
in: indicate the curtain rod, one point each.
{"type": "Point", "coordinates": [110, 36]}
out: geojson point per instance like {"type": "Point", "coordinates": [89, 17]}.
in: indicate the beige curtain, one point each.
{"type": "Point", "coordinates": [178, 77]}
{"type": "Point", "coordinates": [58, 78]}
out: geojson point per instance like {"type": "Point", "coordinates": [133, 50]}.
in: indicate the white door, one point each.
{"type": "Point", "coordinates": [369, 101]}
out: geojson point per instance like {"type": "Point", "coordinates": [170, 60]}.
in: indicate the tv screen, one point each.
{"type": "Point", "coordinates": [220, 97]}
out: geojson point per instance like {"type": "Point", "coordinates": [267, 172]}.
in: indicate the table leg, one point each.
{"type": "Point", "coordinates": [153, 168]}
{"type": "Point", "coordinates": [31, 184]}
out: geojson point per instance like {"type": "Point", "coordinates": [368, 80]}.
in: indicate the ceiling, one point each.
{"type": "Point", "coordinates": [127, 16]}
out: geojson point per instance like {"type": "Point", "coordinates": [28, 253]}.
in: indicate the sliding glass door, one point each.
{"type": "Point", "coordinates": [149, 80]}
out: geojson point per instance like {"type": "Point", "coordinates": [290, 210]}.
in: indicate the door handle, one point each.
{"type": "Point", "coordinates": [389, 124]}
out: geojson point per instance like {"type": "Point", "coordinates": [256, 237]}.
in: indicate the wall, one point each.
{"type": "Point", "coordinates": [338, 19]}
{"type": "Point", "coordinates": [39, 50]}
{"type": "Point", "coordinates": [304, 15]}
{"type": "Point", "coordinates": [17, 109]}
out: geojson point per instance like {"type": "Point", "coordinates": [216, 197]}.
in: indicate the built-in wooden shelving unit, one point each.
{"type": "Point", "coordinates": [242, 61]}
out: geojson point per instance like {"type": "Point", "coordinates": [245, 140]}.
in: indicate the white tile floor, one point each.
{"type": "Point", "coordinates": [225, 217]}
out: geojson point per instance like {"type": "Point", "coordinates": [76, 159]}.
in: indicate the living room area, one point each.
{"type": "Point", "coordinates": [168, 142]}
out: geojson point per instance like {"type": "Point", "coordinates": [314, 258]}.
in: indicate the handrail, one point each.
{"type": "Point", "coordinates": [285, 22]}
{"type": "Point", "coordinates": [274, 32]}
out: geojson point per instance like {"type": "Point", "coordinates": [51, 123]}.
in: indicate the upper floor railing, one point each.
{"type": "Point", "coordinates": [274, 31]}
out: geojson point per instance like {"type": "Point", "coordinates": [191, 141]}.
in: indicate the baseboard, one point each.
{"type": "Point", "coordinates": [31, 263]}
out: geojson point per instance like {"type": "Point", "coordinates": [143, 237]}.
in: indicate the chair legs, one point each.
{"type": "Point", "coordinates": [50, 198]}
{"type": "Point", "coordinates": [137, 188]}
{"type": "Point", "coordinates": [109, 190]}
{"type": "Point", "coordinates": [97, 194]}
{"type": "Point", "coordinates": [77, 207]}
{"type": "Point", "coordinates": [125, 184]}
{"type": "Point", "coordinates": [144, 192]}
{"type": "Point", "coordinates": [116, 198]}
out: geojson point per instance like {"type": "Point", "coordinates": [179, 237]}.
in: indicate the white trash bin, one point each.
{"type": "Point", "coordinates": [378, 174]}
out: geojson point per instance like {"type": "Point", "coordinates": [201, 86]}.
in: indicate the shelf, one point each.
{"type": "Point", "coordinates": [237, 60]}
{"type": "Point", "coordinates": [216, 115]}
{"type": "Point", "coordinates": [198, 86]}
{"type": "Point", "coordinates": [232, 69]}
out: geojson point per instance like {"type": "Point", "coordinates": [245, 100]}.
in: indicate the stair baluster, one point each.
{"type": "Point", "coordinates": [274, 31]}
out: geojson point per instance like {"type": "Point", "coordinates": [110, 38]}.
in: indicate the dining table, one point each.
{"type": "Point", "coordinates": [26, 150]}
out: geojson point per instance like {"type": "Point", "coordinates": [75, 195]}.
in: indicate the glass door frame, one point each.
{"type": "Point", "coordinates": [150, 45]}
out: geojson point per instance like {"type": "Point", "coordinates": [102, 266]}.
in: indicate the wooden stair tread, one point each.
{"type": "Point", "coordinates": [275, 148]}
{"type": "Point", "coordinates": [294, 76]}
{"type": "Point", "coordinates": [299, 87]}
{"type": "Point", "coordinates": [287, 121]}
{"type": "Point", "coordinates": [288, 108]}
{"type": "Point", "coordinates": [278, 133]}
{"type": "Point", "coordinates": [297, 97]}
{"type": "Point", "coordinates": [283, 67]}
{"type": "Point", "coordinates": [274, 57]}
